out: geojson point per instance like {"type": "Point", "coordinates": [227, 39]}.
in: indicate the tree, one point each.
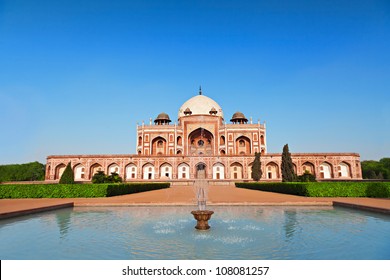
{"type": "Point", "coordinates": [370, 174]}
{"type": "Point", "coordinates": [288, 173]}
{"type": "Point", "coordinates": [256, 168]}
{"type": "Point", "coordinates": [372, 169]}
{"type": "Point", "coordinates": [33, 171]}
{"type": "Point", "coordinates": [99, 178]}
{"type": "Point", "coordinates": [114, 178]}
{"type": "Point", "coordinates": [68, 175]}
{"type": "Point", "coordinates": [307, 177]}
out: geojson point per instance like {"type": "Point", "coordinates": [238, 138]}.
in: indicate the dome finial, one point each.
{"type": "Point", "coordinates": [200, 90]}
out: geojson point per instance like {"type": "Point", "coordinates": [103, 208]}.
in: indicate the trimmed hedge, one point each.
{"type": "Point", "coordinates": [76, 190]}
{"type": "Point", "coordinates": [324, 189]}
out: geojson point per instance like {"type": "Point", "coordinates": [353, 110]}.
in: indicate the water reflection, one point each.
{"type": "Point", "coordinates": [63, 219]}
{"type": "Point", "coordinates": [290, 223]}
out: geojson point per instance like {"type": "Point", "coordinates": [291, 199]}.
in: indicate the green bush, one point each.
{"type": "Point", "coordinates": [307, 177]}
{"type": "Point", "coordinates": [114, 178]}
{"type": "Point", "coordinates": [76, 190]}
{"type": "Point", "coordinates": [121, 189]}
{"type": "Point", "coordinates": [287, 188]}
{"type": "Point", "coordinates": [101, 178]}
{"type": "Point", "coordinates": [325, 189]}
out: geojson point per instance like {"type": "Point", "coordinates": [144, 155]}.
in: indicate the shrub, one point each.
{"type": "Point", "coordinates": [307, 177]}
{"type": "Point", "coordinates": [325, 189]}
{"type": "Point", "coordinates": [378, 190]}
{"type": "Point", "coordinates": [121, 189]}
{"type": "Point", "coordinates": [101, 178]}
{"type": "Point", "coordinates": [114, 178]}
{"type": "Point", "coordinates": [52, 191]}
{"type": "Point", "coordinates": [287, 188]}
{"type": "Point", "coordinates": [76, 190]}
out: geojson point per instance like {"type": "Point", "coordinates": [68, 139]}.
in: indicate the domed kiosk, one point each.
{"type": "Point", "coordinates": [162, 119]}
{"type": "Point", "coordinates": [239, 118]}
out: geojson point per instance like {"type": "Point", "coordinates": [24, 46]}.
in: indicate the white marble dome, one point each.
{"type": "Point", "coordinates": [200, 105]}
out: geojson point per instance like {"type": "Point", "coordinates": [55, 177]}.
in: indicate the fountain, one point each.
{"type": "Point", "coordinates": [201, 144]}
{"type": "Point", "coordinates": [201, 215]}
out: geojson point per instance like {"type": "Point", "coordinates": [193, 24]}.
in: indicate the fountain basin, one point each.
{"type": "Point", "coordinates": [202, 217]}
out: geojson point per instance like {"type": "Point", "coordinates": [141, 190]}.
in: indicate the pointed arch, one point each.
{"type": "Point", "coordinates": [59, 170]}
{"type": "Point", "coordinates": [148, 171]}
{"type": "Point", "coordinates": [179, 141]}
{"type": "Point", "coordinates": [201, 170]}
{"type": "Point", "coordinates": [272, 171]}
{"type": "Point", "coordinates": [326, 170]}
{"type": "Point", "coordinates": [166, 171]}
{"type": "Point", "coordinates": [308, 167]}
{"type": "Point", "coordinates": [79, 172]}
{"type": "Point", "coordinates": [159, 146]}
{"type": "Point", "coordinates": [94, 169]}
{"type": "Point", "coordinates": [236, 171]}
{"type": "Point", "coordinates": [243, 146]}
{"type": "Point", "coordinates": [249, 171]}
{"type": "Point", "coordinates": [344, 170]}
{"type": "Point", "coordinates": [218, 171]}
{"type": "Point", "coordinates": [201, 142]}
{"type": "Point", "coordinates": [113, 168]}
{"type": "Point", "coordinates": [183, 171]}
{"type": "Point", "coordinates": [131, 171]}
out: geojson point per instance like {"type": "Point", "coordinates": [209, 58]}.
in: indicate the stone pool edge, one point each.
{"type": "Point", "coordinates": [362, 207]}
{"type": "Point", "coordinates": [27, 211]}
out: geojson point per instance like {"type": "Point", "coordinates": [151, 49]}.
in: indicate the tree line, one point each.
{"type": "Point", "coordinates": [372, 169]}
{"type": "Point", "coordinates": [33, 171]}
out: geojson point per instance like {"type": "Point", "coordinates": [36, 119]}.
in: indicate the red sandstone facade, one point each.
{"type": "Point", "coordinates": [202, 145]}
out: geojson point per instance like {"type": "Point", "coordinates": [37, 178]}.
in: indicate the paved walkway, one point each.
{"type": "Point", "coordinates": [216, 195]}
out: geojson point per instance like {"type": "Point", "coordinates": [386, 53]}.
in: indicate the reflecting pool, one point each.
{"type": "Point", "coordinates": [237, 232]}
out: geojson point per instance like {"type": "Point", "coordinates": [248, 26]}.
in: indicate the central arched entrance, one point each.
{"type": "Point", "coordinates": [201, 171]}
{"type": "Point", "coordinates": [201, 142]}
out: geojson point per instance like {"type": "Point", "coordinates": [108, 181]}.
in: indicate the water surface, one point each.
{"type": "Point", "coordinates": [250, 232]}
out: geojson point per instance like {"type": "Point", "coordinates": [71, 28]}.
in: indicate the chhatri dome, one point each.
{"type": "Point", "coordinates": [162, 118]}
{"type": "Point", "coordinates": [200, 105]}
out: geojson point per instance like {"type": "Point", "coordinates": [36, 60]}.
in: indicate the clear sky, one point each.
{"type": "Point", "coordinates": [76, 76]}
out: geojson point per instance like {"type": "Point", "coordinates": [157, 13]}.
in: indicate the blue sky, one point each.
{"type": "Point", "coordinates": [77, 76]}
